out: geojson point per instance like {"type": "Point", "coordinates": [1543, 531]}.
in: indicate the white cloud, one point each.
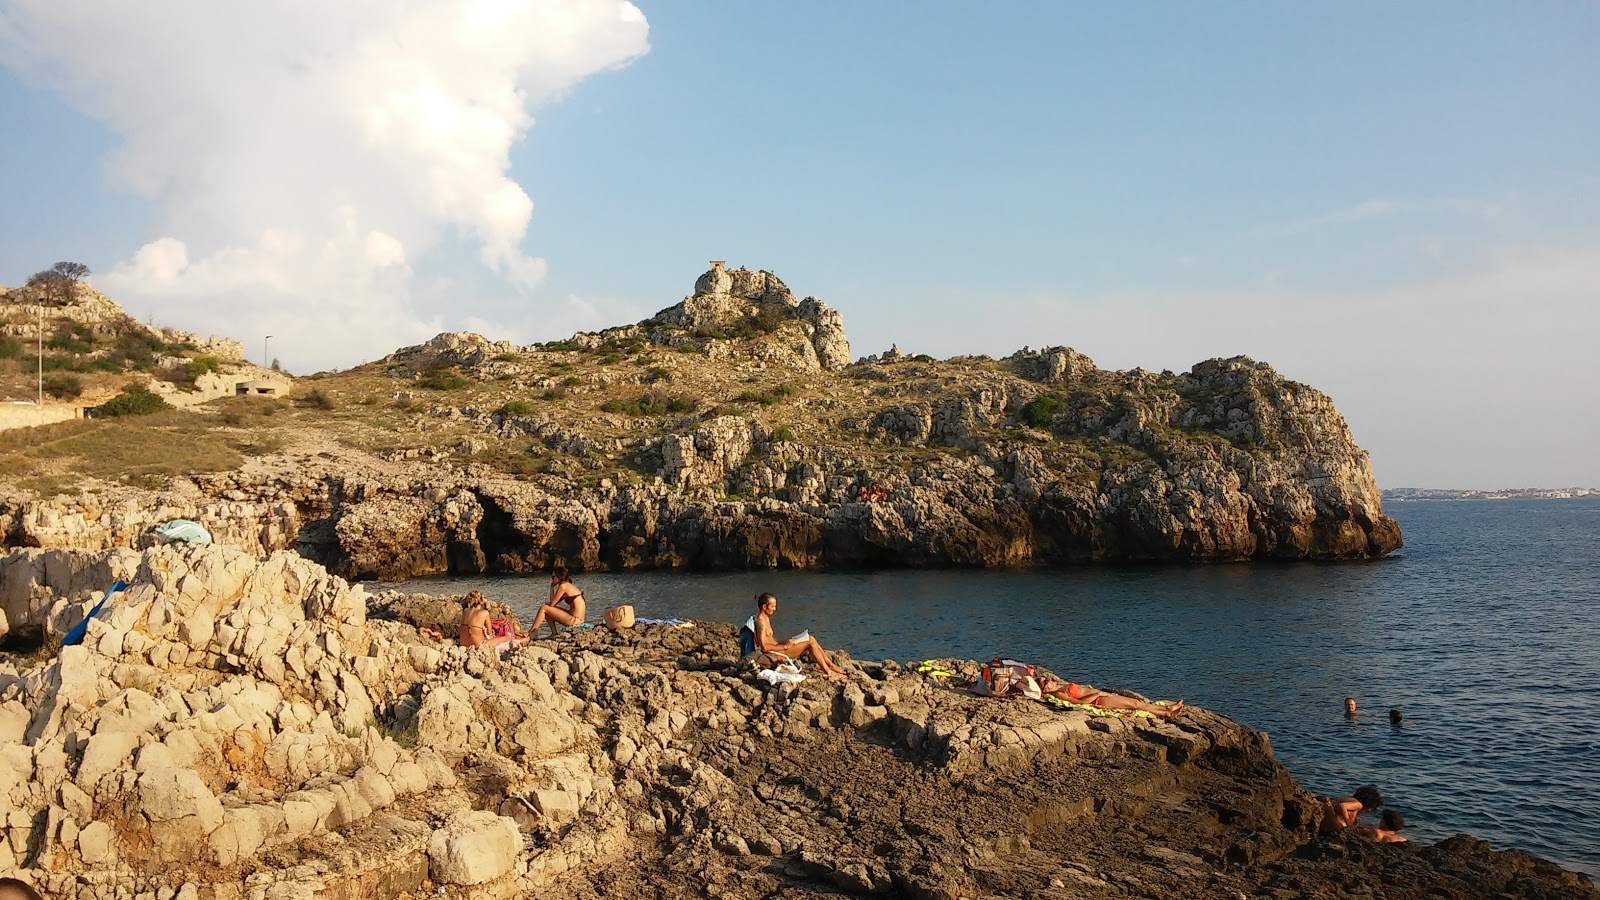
{"type": "Point", "coordinates": [303, 156]}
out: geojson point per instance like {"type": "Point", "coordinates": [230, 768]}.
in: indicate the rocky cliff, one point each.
{"type": "Point", "coordinates": [730, 431]}
{"type": "Point", "coordinates": [237, 727]}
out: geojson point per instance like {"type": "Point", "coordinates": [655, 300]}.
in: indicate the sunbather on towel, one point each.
{"type": "Point", "coordinates": [766, 605]}
{"type": "Point", "coordinates": [1088, 696]}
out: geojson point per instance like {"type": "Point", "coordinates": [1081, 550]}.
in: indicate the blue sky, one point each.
{"type": "Point", "coordinates": [1399, 204]}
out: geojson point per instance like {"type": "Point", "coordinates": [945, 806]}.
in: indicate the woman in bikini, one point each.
{"type": "Point", "coordinates": [1088, 696]}
{"type": "Point", "coordinates": [475, 626]}
{"type": "Point", "coordinates": [562, 591]}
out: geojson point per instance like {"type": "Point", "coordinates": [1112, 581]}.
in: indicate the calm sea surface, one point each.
{"type": "Point", "coordinates": [1484, 630]}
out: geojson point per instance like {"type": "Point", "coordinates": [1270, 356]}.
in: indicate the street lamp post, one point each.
{"type": "Point", "coordinates": [41, 360]}
{"type": "Point", "coordinates": [266, 358]}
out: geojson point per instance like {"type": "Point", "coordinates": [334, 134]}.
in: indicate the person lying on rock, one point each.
{"type": "Point", "coordinates": [1341, 814]}
{"type": "Point", "coordinates": [476, 626]}
{"type": "Point", "coordinates": [1387, 830]}
{"type": "Point", "coordinates": [766, 605]}
{"type": "Point", "coordinates": [566, 606]}
{"type": "Point", "coordinates": [1088, 696]}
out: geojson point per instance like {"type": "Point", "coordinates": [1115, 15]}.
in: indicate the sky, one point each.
{"type": "Point", "coordinates": [1398, 204]}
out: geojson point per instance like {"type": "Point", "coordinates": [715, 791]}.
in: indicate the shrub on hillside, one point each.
{"type": "Point", "coordinates": [1041, 410]}
{"type": "Point", "coordinates": [200, 365]}
{"type": "Point", "coordinates": [514, 408]}
{"type": "Point", "coordinates": [72, 337]}
{"type": "Point", "coordinates": [63, 387]}
{"type": "Point", "coordinates": [135, 400]}
{"type": "Point", "coordinates": [10, 348]}
{"type": "Point", "coordinates": [315, 399]}
{"type": "Point", "coordinates": [444, 378]}
{"type": "Point", "coordinates": [651, 404]}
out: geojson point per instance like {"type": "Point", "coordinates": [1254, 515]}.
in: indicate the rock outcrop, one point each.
{"type": "Point", "coordinates": [754, 444]}
{"type": "Point", "coordinates": [236, 727]}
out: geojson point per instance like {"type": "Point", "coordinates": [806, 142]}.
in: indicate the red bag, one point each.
{"type": "Point", "coordinates": [501, 628]}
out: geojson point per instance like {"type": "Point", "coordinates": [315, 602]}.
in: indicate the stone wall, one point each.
{"type": "Point", "coordinates": [29, 415]}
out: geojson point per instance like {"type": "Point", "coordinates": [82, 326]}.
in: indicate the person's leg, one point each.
{"type": "Point", "coordinates": [821, 658]}
{"type": "Point", "coordinates": [555, 615]}
{"type": "Point", "coordinates": [1106, 700]}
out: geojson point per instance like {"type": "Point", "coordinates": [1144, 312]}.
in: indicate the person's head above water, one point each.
{"type": "Point", "coordinates": [1395, 717]}
{"type": "Point", "coordinates": [766, 603]}
{"type": "Point", "coordinates": [1392, 820]}
{"type": "Point", "coordinates": [1350, 707]}
{"type": "Point", "coordinates": [1369, 796]}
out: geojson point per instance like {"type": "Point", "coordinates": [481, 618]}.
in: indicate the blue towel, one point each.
{"type": "Point", "coordinates": [75, 634]}
{"type": "Point", "coordinates": [747, 637]}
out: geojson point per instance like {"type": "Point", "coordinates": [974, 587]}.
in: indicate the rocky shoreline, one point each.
{"type": "Point", "coordinates": [236, 726]}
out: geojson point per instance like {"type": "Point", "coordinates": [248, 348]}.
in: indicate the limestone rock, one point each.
{"type": "Point", "coordinates": [473, 847]}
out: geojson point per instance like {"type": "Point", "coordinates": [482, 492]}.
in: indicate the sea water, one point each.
{"type": "Point", "coordinates": [1484, 631]}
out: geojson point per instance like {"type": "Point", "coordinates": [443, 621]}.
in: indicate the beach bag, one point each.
{"type": "Point", "coordinates": [501, 628]}
{"type": "Point", "coordinates": [619, 617]}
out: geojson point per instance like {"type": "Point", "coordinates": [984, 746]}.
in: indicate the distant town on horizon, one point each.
{"type": "Point", "coordinates": [1503, 494]}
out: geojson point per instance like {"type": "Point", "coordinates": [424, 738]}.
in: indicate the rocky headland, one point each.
{"type": "Point", "coordinates": [730, 430]}
{"type": "Point", "coordinates": [242, 726]}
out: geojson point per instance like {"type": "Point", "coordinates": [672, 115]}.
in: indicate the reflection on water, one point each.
{"type": "Point", "coordinates": [1481, 631]}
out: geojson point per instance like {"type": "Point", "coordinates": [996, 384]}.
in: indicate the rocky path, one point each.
{"type": "Point", "coordinates": [238, 727]}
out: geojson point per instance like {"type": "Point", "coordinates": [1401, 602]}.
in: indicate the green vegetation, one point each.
{"type": "Point", "coordinates": [201, 365]}
{"type": "Point", "coordinates": [922, 358]}
{"type": "Point", "coordinates": [782, 435]}
{"type": "Point", "coordinates": [10, 348]}
{"type": "Point", "coordinates": [769, 396]}
{"type": "Point", "coordinates": [1041, 410]}
{"type": "Point", "coordinates": [316, 398]}
{"type": "Point", "coordinates": [514, 408]}
{"type": "Point", "coordinates": [651, 403]}
{"type": "Point", "coordinates": [443, 378]}
{"type": "Point", "coordinates": [568, 345]}
{"type": "Point", "coordinates": [135, 400]}
{"type": "Point", "coordinates": [72, 337]}
{"type": "Point", "coordinates": [63, 387]}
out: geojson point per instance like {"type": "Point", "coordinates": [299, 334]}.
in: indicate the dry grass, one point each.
{"type": "Point", "coordinates": [162, 445]}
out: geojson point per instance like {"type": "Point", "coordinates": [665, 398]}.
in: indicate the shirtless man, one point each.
{"type": "Point", "coordinates": [1089, 696]}
{"type": "Point", "coordinates": [766, 605]}
{"type": "Point", "coordinates": [562, 591]}
{"type": "Point", "coordinates": [475, 626]}
{"type": "Point", "coordinates": [1340, 814]}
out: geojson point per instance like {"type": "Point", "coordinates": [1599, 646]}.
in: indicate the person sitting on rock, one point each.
{"type": "Point", "coordinates": [566, 606]}
{"type": "Point", "coordinates": [1387, 830]}
{"type": "Point", "coordinates": [476, 629]}
{"type": "Point", "coordinates": [766, 605]}
{"type": "Point", "coordinates": [1088, 696]}
{"type": "Point", "coordinates": [429, 633]}
{"type": "Point", "coordinates": [1340, 814]}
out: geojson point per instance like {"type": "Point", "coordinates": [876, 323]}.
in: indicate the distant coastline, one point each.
{"type": "Point", "coordinates": [1506, 494]}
